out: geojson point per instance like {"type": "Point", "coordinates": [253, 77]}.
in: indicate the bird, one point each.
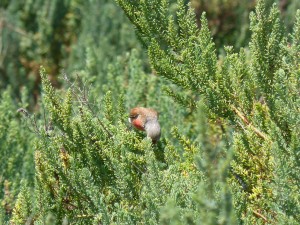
{"type": "Point", "coordinates": [146, 119]}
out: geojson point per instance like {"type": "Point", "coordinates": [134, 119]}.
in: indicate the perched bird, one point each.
{"type": "Point", "coordinates": [146, 119]}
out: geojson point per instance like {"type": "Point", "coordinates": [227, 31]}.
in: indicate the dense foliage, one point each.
{"type": "Point", "coordinates": [229, 152]}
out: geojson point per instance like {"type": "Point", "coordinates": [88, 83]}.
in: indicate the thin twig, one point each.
{"type": "Point", "coordinates": [11, 27]}
{"type": "Point", "coordinates": [85, 216]}
{"type": "Point", "coordinates": [246, 121]}
{"type": "Point", "coordinates": [260, 215]}
{"type": "Point", "coordinates": [83, 98]}
{"type": "Point", "coordinates": [32, 121]}
{"type": "Point", "coordinates": [45, 120]}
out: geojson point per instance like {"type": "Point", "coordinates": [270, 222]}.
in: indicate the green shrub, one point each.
{"type": "Point", "coordinates": [16, 149]}
{"type": "Point", "coordinates": [254, 91]}
{"type": "Point", "coordinates": [229, 152]}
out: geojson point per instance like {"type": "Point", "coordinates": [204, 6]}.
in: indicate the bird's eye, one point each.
{"type": "Point", "coordinates": [133, 116]}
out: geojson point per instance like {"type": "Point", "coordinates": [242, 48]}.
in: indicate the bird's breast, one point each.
{"type": "Point", "coordinates": [153, 129]}
{"type": "Point", "coordinates": [138, 124]}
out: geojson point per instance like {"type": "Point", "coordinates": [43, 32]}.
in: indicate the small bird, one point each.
{"type": "Point", "coordinates": [146, 119]}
